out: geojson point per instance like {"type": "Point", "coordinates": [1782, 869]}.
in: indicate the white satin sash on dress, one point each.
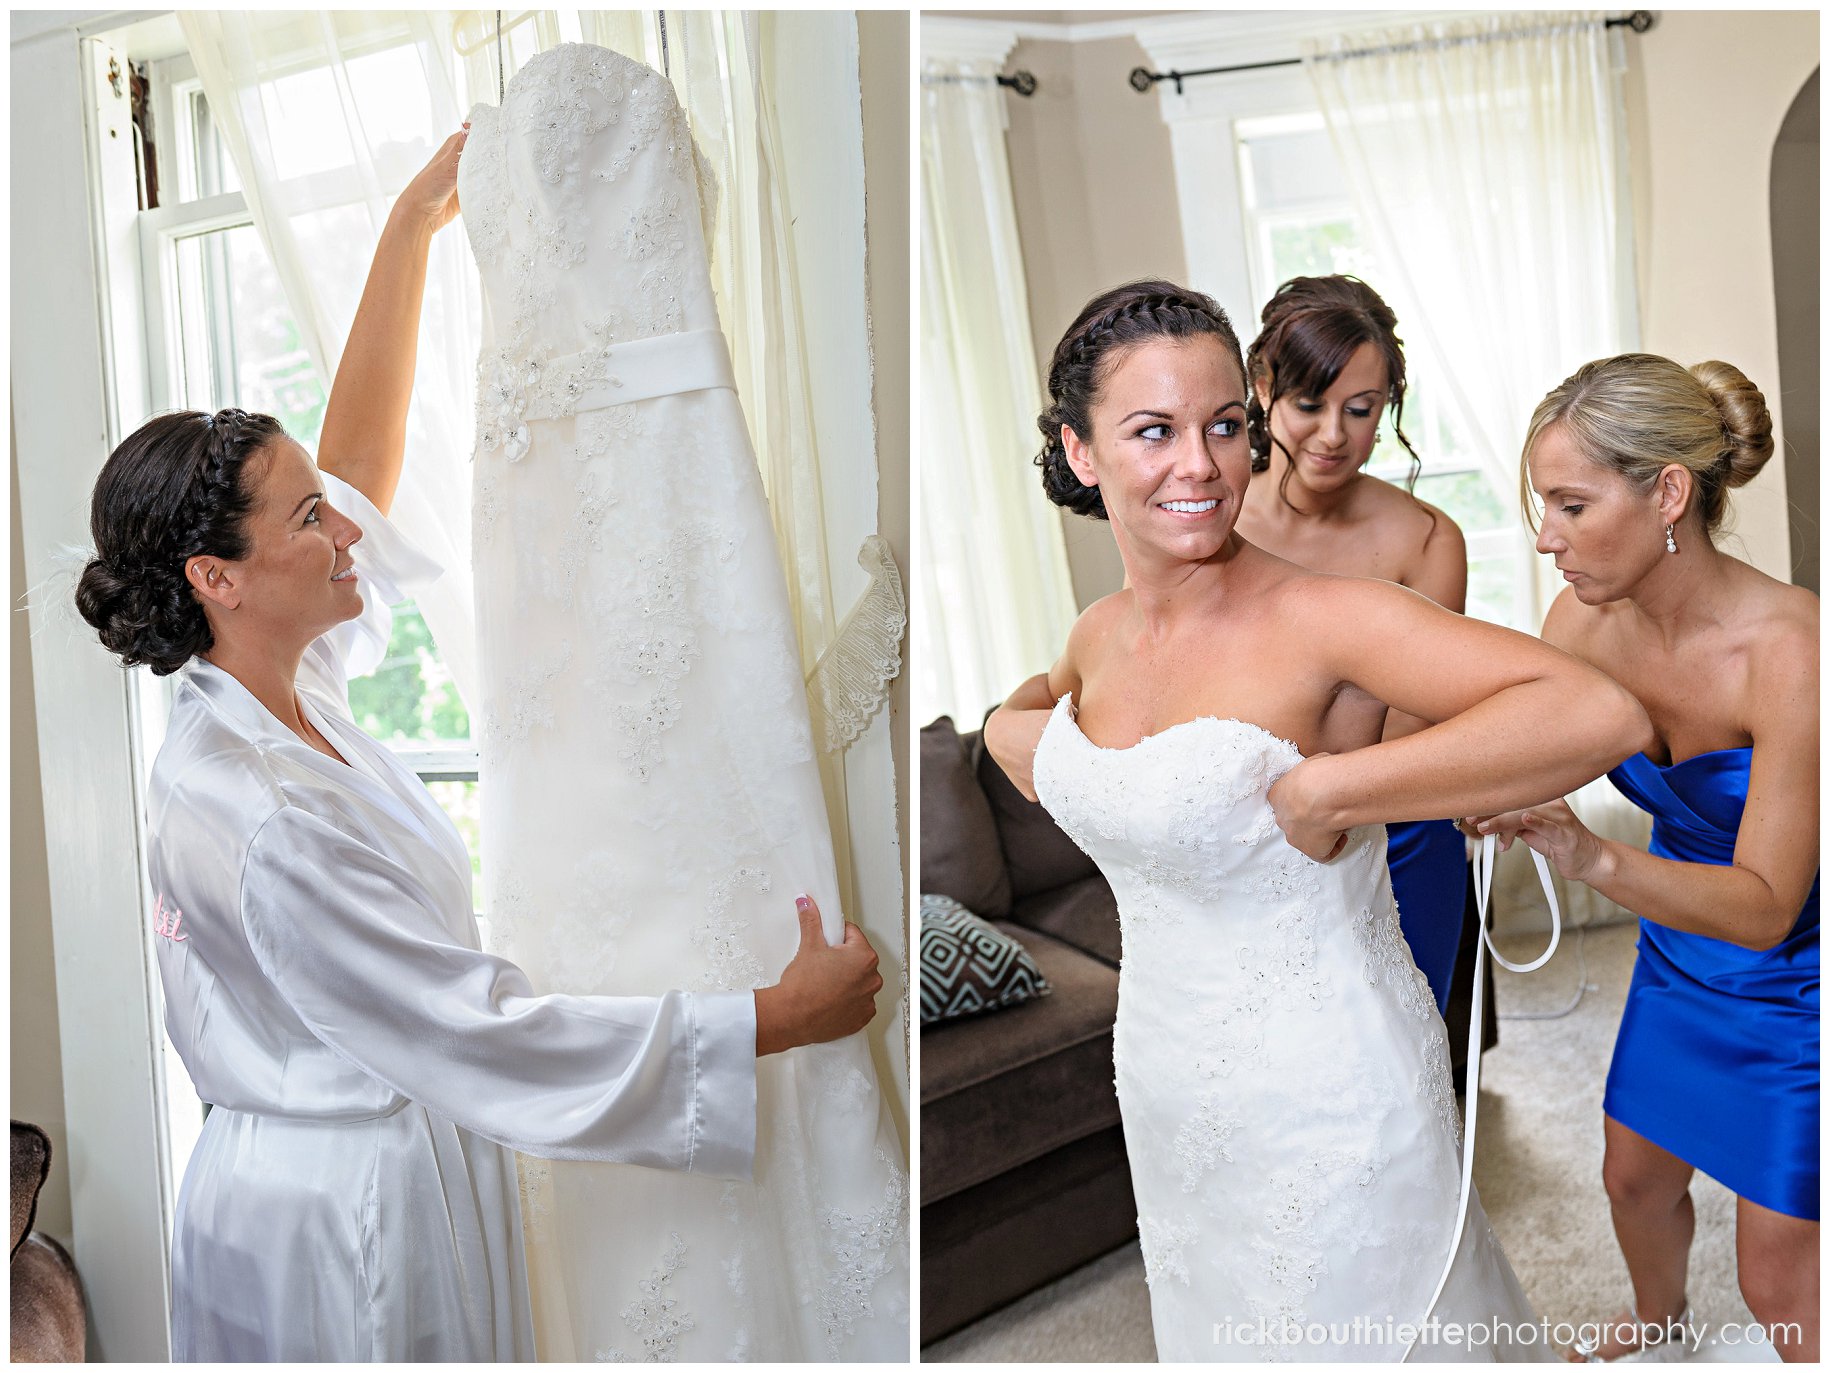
{"type": "Point", "coordinates": [1484, 860]}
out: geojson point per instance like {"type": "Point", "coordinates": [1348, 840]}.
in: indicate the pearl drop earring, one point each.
{"type": "Point", "coordinates": [1670, 540]}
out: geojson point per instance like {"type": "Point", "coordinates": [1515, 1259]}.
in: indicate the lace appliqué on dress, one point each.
{"type": "Point", "coordinates": [529, 703]}
{"type": "Point", "coordinates": [731, 964]}
{"type": "Point", "coordinates": [654, 1316]}
{"type": "Point", "coordinates": [1388, 961]}
{"type": "Point", "coordinates": [1163, 1242]}
{"type": "Point", "coordinates": [863, 1247]}
{"type": "Point", "coordinates": [1201, 1143]}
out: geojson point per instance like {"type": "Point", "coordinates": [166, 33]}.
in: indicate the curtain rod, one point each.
{"type": "Point", "coordinates": [1142, 78]}
{"type": "Point", "coordinates": [1023, 82]}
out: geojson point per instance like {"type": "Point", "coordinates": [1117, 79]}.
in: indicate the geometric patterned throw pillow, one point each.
{"type": "Point", "coordinates": [968, 965]}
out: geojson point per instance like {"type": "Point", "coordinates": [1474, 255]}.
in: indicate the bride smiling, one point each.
{"type": "Point", "coordinates": [1211, 737]}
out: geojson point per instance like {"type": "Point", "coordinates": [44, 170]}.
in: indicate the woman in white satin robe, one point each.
{"type": "Point", "coordinates": [353, 1195]}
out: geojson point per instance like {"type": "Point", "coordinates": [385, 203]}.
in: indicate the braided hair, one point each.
{"type": "Point", "coordinates": [1309, 329]}
{"type": "Point", "coordinates": [1109, 326]}
{"type": "Point", "coordinates": [179, 485]}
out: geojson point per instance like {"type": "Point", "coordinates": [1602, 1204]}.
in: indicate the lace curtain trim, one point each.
{"type": "Point", "coordinates": [852, 677]}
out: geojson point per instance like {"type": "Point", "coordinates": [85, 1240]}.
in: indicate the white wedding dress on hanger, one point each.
{"type": "Point", "coordinates": [653, 803]}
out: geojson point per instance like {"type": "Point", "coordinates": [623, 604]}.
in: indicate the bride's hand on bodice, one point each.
{"type": "Point", "coordinates": [1554, 830]}
{"type": "Point", "coordinates": [827, 991]}
{"type": "Point", "coordinates": [1011, 737]}
{"type": "Point", "coordinates": [1291, 798]}
{"type": "Point", "coordinates": [1015, 728]}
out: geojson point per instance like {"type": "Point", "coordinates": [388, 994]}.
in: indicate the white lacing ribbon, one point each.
{"type": "Point", "coordinates": [1484, 859]}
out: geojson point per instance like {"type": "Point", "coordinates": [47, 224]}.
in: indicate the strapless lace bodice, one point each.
{"type": "Point", "coordinates": [1282, 1071]}
{"type": "Point", "coordinates": [582, 197]}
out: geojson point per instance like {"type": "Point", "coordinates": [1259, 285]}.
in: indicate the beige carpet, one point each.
{"type": "Point", "coordinates": [1537, 1164]}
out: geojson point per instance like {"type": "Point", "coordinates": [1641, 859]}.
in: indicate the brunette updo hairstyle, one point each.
{"type": "Point", "coordinates": [1638, 413]}
{"type": "Point", "coordinates": [179, 485]}
{"type": "Point", "coordinates": [1108, 327]}
{"type": "Point", "coordinates": [1308, 331]}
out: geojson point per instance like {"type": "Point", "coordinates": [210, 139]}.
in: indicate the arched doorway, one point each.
{"type": "Point", "coordinates": [1793, 194]}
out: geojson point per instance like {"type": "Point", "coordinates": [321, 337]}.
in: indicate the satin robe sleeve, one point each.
{"type": "Point", "coordinates": [389, 570]}
{"type": "Point", "coordinates": [354, 944]}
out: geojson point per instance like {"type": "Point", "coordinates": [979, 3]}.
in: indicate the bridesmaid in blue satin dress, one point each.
{"type": "Point", "coordinates": [1716, 1063]}
{"type": "Point", "coordinates": [1325, 365]}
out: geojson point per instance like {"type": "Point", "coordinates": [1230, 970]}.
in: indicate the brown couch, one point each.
{"type": "Point", "coordinates": [1023, 1171]}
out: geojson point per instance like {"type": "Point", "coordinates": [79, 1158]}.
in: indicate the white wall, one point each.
{"type": "Point", "coordinates": [37, 1060]}
{"type": "Point", "coordinates": [1707, 91]}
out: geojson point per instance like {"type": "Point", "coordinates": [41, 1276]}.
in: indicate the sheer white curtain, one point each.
{"type": "Point", "coordinates": [400, 82]}
{"type": "Point", "coordinates": [996, 597]}
{"type": "Point", "coordinates": [1487, 160]}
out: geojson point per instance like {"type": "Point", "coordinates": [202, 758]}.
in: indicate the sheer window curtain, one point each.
{"type": "Point", "coordinates": [996, 598]}
{"type": "Point", "coordinates": [319, 203]}
{"type": "Point", "coordinates": [1487, 159]}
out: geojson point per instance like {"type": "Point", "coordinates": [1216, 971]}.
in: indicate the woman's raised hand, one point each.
{"type": "Point", "coordinates": [827, 991]}
{"type": "Point", "coordinates": [432, 195]}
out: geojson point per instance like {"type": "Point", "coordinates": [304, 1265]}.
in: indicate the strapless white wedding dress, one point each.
{"type": "Point", "coordinates": [1283, 1073]}
{"type": "Point", "coordinates": [652, 802]}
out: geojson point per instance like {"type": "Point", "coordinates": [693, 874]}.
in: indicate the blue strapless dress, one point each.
{"type": "Point", "coordinates": [1429, 864]}
{"type": "Point", "coordinates": [1717, 1057]}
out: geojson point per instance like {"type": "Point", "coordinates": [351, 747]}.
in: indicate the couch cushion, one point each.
{"type": "Point", "coordinates": [968, 965]}
{"type": "Point", "coordinates": [1037, 854]}
{"type": "Point", "coordinates": [1082, 913]}
{"type": "Point", "coordinates": [998, 1091]}
{"type": "Point", "coordinates": [960, 856]}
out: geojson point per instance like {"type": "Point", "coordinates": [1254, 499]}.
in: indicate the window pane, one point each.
{"type": "Point", "coordinates": [1316, 247]}
{"type": "Point", "coordinates": [241, 344]}
{"type": "Point", "coordinates": [1467, 497]}
{"type": "Point", "coordinates": [462, 801]}
{"type": "Point", "coordinates": [1493, 590]}
{"type": "Point", "coordinates": [212, 170]}
{"type": "Point", "coordinates": [410, 698]}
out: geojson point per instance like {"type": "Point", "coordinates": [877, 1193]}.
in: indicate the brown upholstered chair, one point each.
{"type": "Point", "coordinates": [48, 1313]}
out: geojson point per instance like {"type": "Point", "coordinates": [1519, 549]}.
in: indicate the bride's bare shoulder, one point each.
{"type": "Point", "coordinates": [1091, 636]}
